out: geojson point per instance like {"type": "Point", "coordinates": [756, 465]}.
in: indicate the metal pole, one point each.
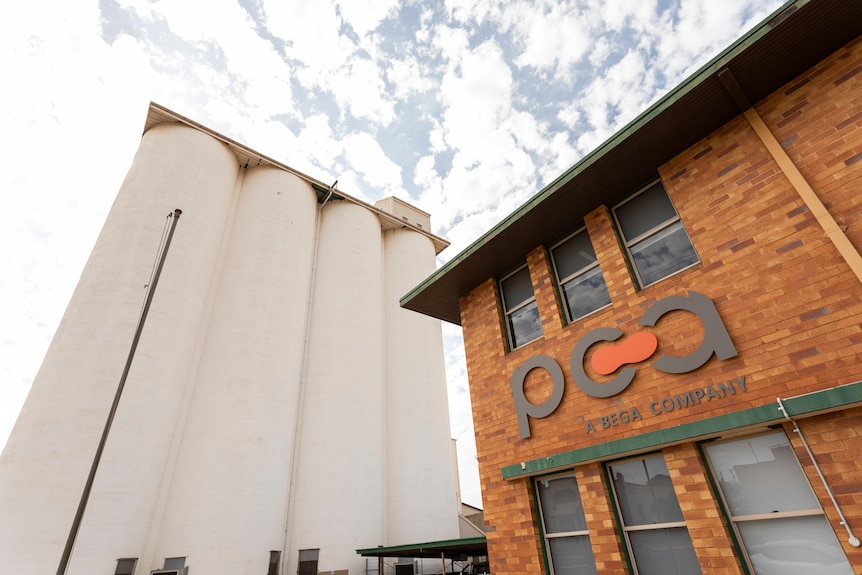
{"type": "Point", "coordinates": [85, 496]}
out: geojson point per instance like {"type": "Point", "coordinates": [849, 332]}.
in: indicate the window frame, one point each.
{"type": "Point", "coordinates": [123, 563]}
{"type": "Point", "coordinates": [620, 516]}
{"type": "Point", "coordinates": [309, 565]}
{"type": "Point", "coordinates": [629, 243]}
{"type": "Point", "coordinates": [546, 537]}
{"type": "Point", "coordinates": [732, 520]}
{"type": "Point", "coordinates": [563, 281]}
{"type": "Point", "coordinates": [508, 312]}
{"type": "Point", "coordinates": [274, 562]}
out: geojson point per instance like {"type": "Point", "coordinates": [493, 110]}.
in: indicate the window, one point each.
{"type": "Point", "coordinates": [308, 562]}
{"type": "Point", "coordinates": [654, 235]}
{"type": "Point", "coordinates": [173, 566]}
{"type": "Point", "coordinates": [567, 540]}
{"type": "Point", "coordinates": [125, 566]}
{"type": "Point", "coordinates": [655, 532]}
{"type": "Point", "coordinates": [580, 278]}
{"type": "Point", "coordinates": [274, 559]}
{"type": "Point", "coordinates": [773, 509]}
{"type": "Point", "coordinates": [522, 313]}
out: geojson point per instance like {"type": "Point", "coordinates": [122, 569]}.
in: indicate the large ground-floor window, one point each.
{"type": "Point", "coordinates": [566, 538]}
{"type": "Point", "coordinates": [653, 525]}
{"type": "Point", "coordinates": [773, 509]}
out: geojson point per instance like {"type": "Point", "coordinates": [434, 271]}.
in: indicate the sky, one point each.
{"type": "Point", "coordinates": [463, 108]}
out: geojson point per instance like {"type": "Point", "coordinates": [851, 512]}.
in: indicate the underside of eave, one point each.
{"type": "Point", "coordinates": [795, 38]}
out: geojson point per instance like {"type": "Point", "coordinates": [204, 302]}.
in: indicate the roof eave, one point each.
{"type": "Point", "coordinates": [783, 46]}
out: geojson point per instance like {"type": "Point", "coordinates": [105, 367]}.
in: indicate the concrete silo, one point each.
{"type": "Point", "coordinates": [278, 399]}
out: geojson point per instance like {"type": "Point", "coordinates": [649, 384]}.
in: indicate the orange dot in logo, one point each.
{"type": "Point", "coordinates": [638, 347]}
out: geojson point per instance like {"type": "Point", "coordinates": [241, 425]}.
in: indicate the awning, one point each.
{"type": "Point", "coordinates": [455, 549]}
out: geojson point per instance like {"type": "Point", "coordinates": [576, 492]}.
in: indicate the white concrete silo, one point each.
{"type": "Point", "coordinates": [226, 508]}
{"type": "Point", "coordinates": [421, 491]}
{"type": "Point", "coordinates": [338, 494]}
{"type": "Point", "coordinates": [46, 462]}
{"type": "Point", "coordinates": [279, 399]}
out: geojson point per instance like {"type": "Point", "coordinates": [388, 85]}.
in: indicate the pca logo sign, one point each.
{"type": "Point", "coordinates": [638, 347]}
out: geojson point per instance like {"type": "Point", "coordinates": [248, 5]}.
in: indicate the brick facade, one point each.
{"type": "Point", "coordinates": [789, 301]}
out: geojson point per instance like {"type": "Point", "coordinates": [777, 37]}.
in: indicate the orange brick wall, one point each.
{"type": "Point", "coordinates": [709, 533]}
{"type": "Point", "coordinates": [790, 303]}
{"type": "Point", "coordinates": [598, 512]}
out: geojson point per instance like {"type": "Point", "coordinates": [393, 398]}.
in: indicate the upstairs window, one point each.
{"type": "Point", "coordinates": [654, 235]}
{"type": "Point", "coordinates": [580, 279]}
{"type": "Point", "coordinates": [519, 304]}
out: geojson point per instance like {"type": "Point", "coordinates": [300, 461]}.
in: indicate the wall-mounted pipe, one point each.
{"type": "Point", "coordinates": [851, 539]}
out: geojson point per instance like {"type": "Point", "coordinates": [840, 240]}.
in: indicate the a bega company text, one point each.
{"type": "Point", "coordinates": [670, 403]}
{"type": "Point", "coordinates": [635, 349]}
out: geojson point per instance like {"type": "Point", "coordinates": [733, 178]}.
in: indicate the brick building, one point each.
{"type": "Point", "coordinates": [664, 344]}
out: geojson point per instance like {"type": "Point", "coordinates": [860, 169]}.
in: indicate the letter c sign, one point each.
{"type": "Point", "coordinates": [716, 341]}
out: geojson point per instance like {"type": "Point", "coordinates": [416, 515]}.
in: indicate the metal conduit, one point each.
{"type": "Point", "coordinates": [170, 224]}
{"type": "Point", "coordinates": [851, 539]}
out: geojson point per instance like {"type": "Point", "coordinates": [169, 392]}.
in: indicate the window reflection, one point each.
{"type": "Point", "coordinates": [654, 235]}
{"type": "Point", "coordinates": [773, 508]}
{"type": "Point", "coordinates": [580, 277]}
{"type": "Point", "coordinates": [646, 498]}
{"type": "Point", "coordinates": [586, 294]}
{"type": "Point", "coordinates": [519, 302]}
{"type": "Point", "coordinates": [565, 527]}
{"type": "Point", "coordinates": [664, 253]}
{"type": "Point", "coordinates": [525, 325]}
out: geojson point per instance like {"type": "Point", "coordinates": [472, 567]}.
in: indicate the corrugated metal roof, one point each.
{"type": "Point", "coordinates": [792, 40]}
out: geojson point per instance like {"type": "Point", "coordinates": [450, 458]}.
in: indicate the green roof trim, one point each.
{"type": "Point", "coordinates": [706, 71]}
{"type": "Point", "coordinates": [811, 403]}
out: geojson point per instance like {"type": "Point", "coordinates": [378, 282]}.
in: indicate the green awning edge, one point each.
{"type": "Point", "coordinates": [432, 545]}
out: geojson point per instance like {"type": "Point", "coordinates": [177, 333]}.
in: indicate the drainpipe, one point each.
{"type": "Point", "coordinates": [291, 492]}
{"type": "Point", "coordinates": [851, 539]}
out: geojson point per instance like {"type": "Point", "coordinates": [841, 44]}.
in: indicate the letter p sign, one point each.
{"type": "Point", "coordinates": [524, 408]}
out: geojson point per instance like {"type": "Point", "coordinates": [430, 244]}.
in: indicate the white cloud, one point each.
{"type": "Point", "coordinates": [317, 134]}
{"type": "Point", "coordinates": [476, 95]}
{"type": "Point", "coordinates": [367, 158]}
{"type": "Point", "coordinates": [553, 36]}
{"type": "Point", "coordinates": [311, 30]}
{"type": "Point", "coordinates": [359, 88]}
{"type": "Point", "coordinates": [408, 76]}
{"type": "Point", "coordinates": [365, 16]}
